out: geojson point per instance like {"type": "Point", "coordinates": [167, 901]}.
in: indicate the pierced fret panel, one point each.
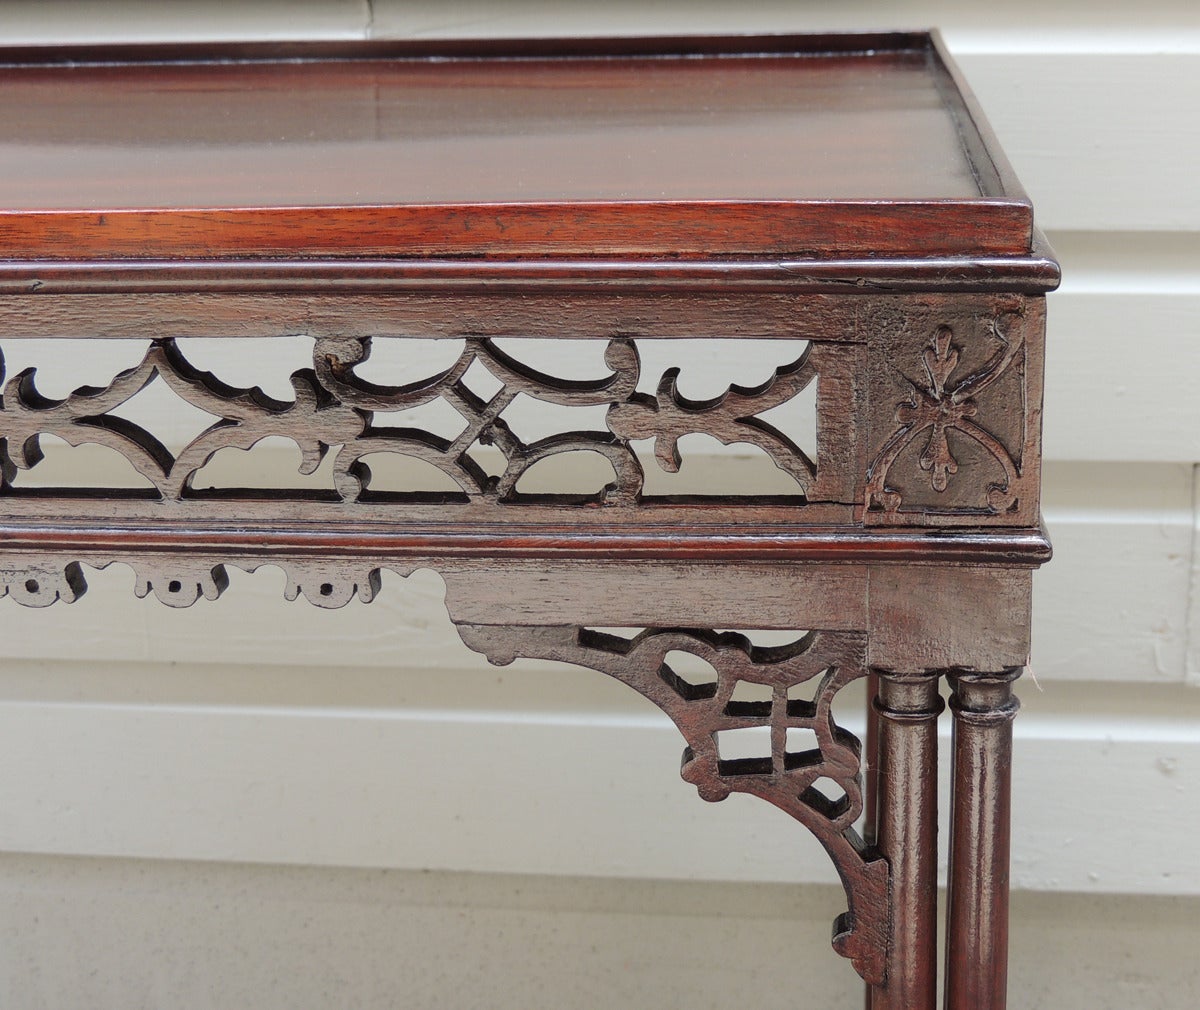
{"type": "Point", "coordinates": [747, 729]}
{"type": "Point", "coordinates": [384, 425]}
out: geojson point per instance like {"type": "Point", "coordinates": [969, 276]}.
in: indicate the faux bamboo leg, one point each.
{"type": "Point", "coordinates": [907, 706]}
{"type": "Point", "coordinates": [977, 919]}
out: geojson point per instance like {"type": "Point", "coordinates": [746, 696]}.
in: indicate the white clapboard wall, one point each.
{"type": "Point", "coordinates": [252, 731]}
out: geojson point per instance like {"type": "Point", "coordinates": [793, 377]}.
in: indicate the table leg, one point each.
{"type": "Point", "coordinates": [871, 778]}
{"type": "Point", "coordinates": [871, 762]}
{"type": "Point", "coordinates": [907, 706]}
{"type": "Point", "coordinates": [977, 920]}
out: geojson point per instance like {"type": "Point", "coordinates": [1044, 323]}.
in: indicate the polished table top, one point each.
{"type": "Point", "coordinates": [660, 147]}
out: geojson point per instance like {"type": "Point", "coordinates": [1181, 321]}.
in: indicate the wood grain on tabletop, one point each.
{"type": "Point", "coordinates": [772, 153]}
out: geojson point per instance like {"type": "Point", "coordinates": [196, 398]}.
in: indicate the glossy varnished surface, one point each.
{"type": "Point", "coordinates": [843, 192]}
{"type": "Point", "coordinates": [405, 131]}
{"type": "Point", "coordinates": [767, 146]}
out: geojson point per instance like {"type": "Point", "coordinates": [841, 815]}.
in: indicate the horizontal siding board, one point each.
{"type": "Point", "coordinates": [1121, 371]}
{"type": "Point", "coordinates": [1123, 349]}
{"type": "Point", "coordinates": [136, 935]}
{"type": "Point", "coordinates": [1089, 624]}
{"type": "Point", "coordinates": [561, 794]}
{"type": "Point", "coordinates": [1100, 141]}
{"type": "Point", "coordinates": [1021, 25]}
{"type": "Point", "coordinates": [407, 619]}
{"type": "Point", "coordinates": [1192, 659]}
{"type": "Point", "coordinates": [1069, 834]}
{"type": "Point", "coordinates": [325, 788]}
{"type": "Point", "coordinates": [1125, 263]}
{"type": "Point", "coordinates": [1018, 26]}
{"type": "Point", "coordinates": [33, 22]}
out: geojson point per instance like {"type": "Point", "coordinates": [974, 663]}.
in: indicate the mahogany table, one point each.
{"type": "Point", "coordinates": [841, 195]}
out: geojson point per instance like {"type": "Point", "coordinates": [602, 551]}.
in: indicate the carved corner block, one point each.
{"type": "Point", "coordinates": [954, 411]}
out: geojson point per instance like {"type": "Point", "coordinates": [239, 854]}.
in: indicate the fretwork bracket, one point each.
{"type": "Point", "coordinates": [802, 678]}
{"type": "Point", "coordinates": [505, 608]}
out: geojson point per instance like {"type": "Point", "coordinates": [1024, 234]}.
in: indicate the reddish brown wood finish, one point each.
{"type": "Point", "coordinates": [907, 707]}
{"type": "Point", "coordinates": [540, 131]}
{"type": "Point", "coordinates": [977, 917]}
{"type": "Point", "coordinates": [870, 823]}
{"type": "Point", "coordinates": [928, 405]}
{"type": "Point", "coordinates": [771, 147]}
{"type": "Point", "coordinates": [1018, 550]}
{"type": "Point", "coordinates": [871, 763]}
{"type": "Point", "coordinates": [767, 228]}
{"type": "Point", "coordinates": [1030, 274]}
{"type": "Point", "coordinates": [842, 195]}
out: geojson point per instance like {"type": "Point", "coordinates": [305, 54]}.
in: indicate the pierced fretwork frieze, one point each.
{"type": "Point", "coordinates": [341, 422]}
{"type": "Point", "coordinates": [807, 765]}
{"type": "Point", "coordinates": [41, 581]}
{"type": "Point", "coordinates": [484, 424]}
{"type": "Point", "coordinates": [313, 420]}
{"type": "Point", "coordinates": [180, 580]}
{"type": "Point", "coordinates": [732, 417]}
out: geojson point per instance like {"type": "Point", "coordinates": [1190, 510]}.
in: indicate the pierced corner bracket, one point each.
{"type": "Point", "coordinates": [711, 684]}
{"type": "Point", "coordinates": [714, 684]}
